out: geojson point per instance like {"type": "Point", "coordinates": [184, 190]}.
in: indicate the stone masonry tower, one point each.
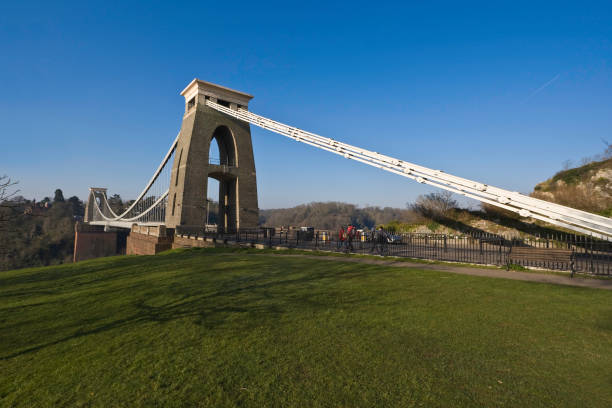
{"type": "Point", "coordinates": [235, 170]}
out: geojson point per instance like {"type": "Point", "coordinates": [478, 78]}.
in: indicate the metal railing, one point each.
{"type": "Point", "coordinates": [589, 255]}
{"type": "Point", "coordinates": [221, 162]}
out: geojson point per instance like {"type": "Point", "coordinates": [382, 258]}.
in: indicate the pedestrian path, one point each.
{"type": "Point", "coordinates": [541, 277]}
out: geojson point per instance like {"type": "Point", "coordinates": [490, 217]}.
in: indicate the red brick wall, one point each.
{"type": "Point", "coordinates": [88, 245]}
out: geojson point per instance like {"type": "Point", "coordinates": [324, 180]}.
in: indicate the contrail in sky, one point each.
{"type": "Point", "coordinates": [540, 89]}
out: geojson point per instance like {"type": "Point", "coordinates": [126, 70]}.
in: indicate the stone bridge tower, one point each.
{"type": "Point", "coordinates": [202, 125]}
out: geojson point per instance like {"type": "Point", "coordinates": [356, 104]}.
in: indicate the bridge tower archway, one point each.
{"type": "Point", "coordinates": [193, 166]}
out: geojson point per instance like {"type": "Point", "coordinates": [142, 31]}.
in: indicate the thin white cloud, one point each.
{"type": "Point", "coordinates": [540, 89]}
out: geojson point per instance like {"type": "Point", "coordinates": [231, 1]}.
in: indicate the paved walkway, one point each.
{"type": "Point", "coordinates": [464, 270]}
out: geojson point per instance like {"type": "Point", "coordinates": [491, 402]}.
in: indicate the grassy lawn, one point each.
{"type": "Point", "coordinates": [227, 328]}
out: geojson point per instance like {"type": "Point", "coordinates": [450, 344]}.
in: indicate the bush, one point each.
{"type": "Point", "coordinates": [433, 226]}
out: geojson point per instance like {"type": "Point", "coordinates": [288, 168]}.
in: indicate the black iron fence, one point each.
{"type": "Point", "coordinates": [581, 254]}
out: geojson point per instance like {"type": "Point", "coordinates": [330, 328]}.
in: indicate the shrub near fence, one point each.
{"type": "Point", "coordinates": [589, 255]}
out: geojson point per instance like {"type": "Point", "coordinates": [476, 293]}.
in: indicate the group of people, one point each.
{"type": "Point", "coordinates": [348, 235]}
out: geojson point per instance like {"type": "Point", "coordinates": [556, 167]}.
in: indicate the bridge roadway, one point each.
{"type": "Point", "coordinates": [124, 224]}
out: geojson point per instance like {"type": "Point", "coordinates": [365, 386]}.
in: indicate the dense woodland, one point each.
{"type": "Point", "coordinates": [37, 233]}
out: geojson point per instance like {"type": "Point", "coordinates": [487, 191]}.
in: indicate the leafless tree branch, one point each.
{"type": "Point", "coordinates": [5, 184]}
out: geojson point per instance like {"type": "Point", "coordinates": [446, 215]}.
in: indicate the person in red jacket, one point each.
{"type": "Point", "coordinates": [341, 237]}
{"type": "Point", "coordinates": [350, 232]}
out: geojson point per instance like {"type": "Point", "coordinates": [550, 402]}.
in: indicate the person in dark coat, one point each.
{"type": "Point", "coordinates": [350, 236]}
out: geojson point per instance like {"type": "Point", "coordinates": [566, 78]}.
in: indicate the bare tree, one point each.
{"type": "Point", "coordinates": [7, 191]}
{"type": "Point", "coordinates": [434, 205]}
{"type": "Point", "coordinates": [8, 210]}
{"type": "Point", "coordinates": [567, 164]}
{"type": "Point", "coordinates": [608, 152]}
{"type": "Point", "coordinates": [6, 185]}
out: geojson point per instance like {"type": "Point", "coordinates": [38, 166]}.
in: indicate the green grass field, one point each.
{"type": "Point", "coordinates": [231, 328]}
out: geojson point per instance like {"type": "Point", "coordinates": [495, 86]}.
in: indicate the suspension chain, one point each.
{"type": "Point", "coordinates": [525, 206]}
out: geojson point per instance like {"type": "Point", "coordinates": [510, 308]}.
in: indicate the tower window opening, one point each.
{"type": "Point", "coordinates": [222, 150]}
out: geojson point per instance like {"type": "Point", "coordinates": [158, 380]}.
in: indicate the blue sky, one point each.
{"type": "Point", "coordinates": [501, 92]}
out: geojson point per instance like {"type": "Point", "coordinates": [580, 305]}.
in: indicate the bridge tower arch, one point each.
{"type": "Point", "coordinates": [235, 169]}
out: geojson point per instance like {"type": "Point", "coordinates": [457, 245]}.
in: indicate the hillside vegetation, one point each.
{"type": "Point", "coordinates": [226, 328]}
{"type": "Point", "coordinates": [331, 215]}
{"type": "Point", "coordinates": [588, 187]}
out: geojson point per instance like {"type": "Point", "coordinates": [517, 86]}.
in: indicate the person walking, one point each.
{"type": "Point", "coordinates": [378, 239]}
{"type": "Point", "coordinates": [372, 239]}
{"type": "Point", "coordinates": [350, 236]}
{"type": "Point", "coordinates": [341, 237]}
{"type": "Point", "coordinates": [382, 241]}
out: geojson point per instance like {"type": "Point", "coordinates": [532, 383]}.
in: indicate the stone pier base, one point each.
{"type": "Point", "coordinates": [144, 240]}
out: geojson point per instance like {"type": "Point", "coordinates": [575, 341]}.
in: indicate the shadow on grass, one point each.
{"type": "Point", "coordinates": [209, 290]}
{"type": "Point", "coordinates": [57, 272]}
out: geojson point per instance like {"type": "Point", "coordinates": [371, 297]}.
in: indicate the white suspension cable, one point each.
{"type": "Point", "coordinates": [525, 206]}
{"type": "Point", "coordinates": [152, 180]}
{"type": "Point", "coordinates": [138, 208]}
{"type": "Point", "coordinates": [135, 218]}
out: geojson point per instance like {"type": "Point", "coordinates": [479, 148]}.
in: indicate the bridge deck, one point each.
{"type": "Point", "coordinates": [124, 224]}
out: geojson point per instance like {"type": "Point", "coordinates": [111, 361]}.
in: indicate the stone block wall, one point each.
{"type": "Point", "coordinates": [148, 240]}
{"type": "Point", "coordinates": [93, 242]}
{"type": "Point", "coordinates": [184, 241]}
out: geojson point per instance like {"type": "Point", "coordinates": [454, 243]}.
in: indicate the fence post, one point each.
{"type": "Point", "coordinates": [592, 265]}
